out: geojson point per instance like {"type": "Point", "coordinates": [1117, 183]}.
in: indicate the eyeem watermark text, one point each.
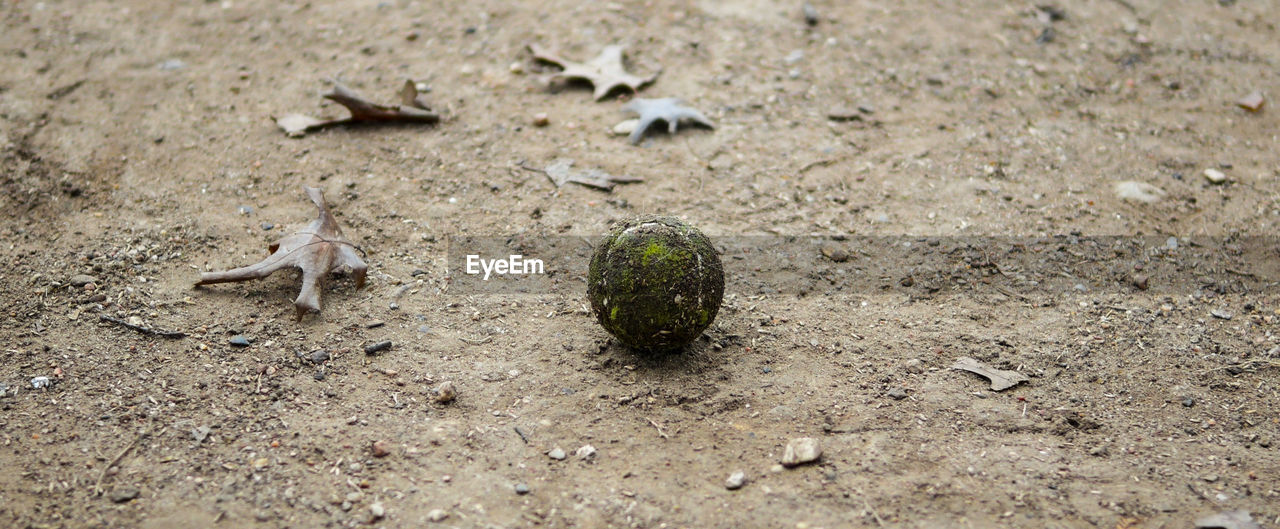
{"type": "Point", "coordinates": [513, 264]}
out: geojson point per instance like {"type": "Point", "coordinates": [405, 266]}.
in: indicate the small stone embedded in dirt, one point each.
{"type": "Point", "coordinates": [445, 393]}
{"type": "Point", "coordinates": [172, 64]}
{"type": "Point", "coordinates": [897, 393]}
{"type": "Point", "coordinates": [556, 454]}
{"type": "Point", "coordinates": [380, 449]}
{"type": "Point", "coordinates": [377, 511]}
{"type": "Point", "coordinates": [319, 376]}
{"type": "Point", "coordinates": [437, 515]}
{"type": "Point", "coordinates": [1253, 102]}
{"type": "Point", "coordinates": [1138, 192]}
{"type": "Point", "coordinates": [319, 356]}
{"type": "Point", "coordinates": [586, 453]}
{"type": "Point", "coordinates": [373, 349]}
{"type": "Point", "coordinates": [736, 480]}
{"type": "Point", "coordinates": [914, 366]}
{"type": "Point", "coordinates": [521, 489]}
{"type": "Point", "coordinates": [800, 451]}
{"type": "Point", "coordinates": [1188, 402]}
{"type": "Point", "coordinates": [810, 14]}
{"type": "Point", "coordinates": [200, 434]}
{"type": "Point", "coordinates": [541, 119]}
{"type": "Point", "coordinates": [1215, 176]}
{"type": "Point", "coordinates": [1221, 314]}
{"type": "Point", "coordinates": [626, 126]}
{"type": "Point", "coordinates": [124, 495]}
{"type": "Point", "coordinates": [267, 226]}
{"type": "Point", "coordinates": [1099, 451]}
{"type": "Point", "coordinates": [1141, 281]}
{"type": "Point", "coordinates": [40, 382]}
{"type": "Point", "coordinates": [835, 252]}
{"type": "Point", "coordinates": [4, 390]}
{"type": "Point", "coordinates": [239, 340]}
{"type": "Point", "coordinates": [82, 280]}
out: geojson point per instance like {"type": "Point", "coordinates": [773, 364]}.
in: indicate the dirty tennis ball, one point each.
{"type": "Point", "coordinates": [655, 283]}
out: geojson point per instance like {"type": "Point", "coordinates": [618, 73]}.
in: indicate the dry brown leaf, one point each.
{"type": "Point", "coordinates": [317, 250]}
{"type": "Point", "coordinates": [410, 110]}
{"type": "Point", "coordinates": [1001, 379]}
{"type": "Point", "coordinates": [605, 72]}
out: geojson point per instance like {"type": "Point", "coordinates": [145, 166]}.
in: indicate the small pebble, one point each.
{"type": "Point", "coordinates": [240, 340]}
{"type": "Point", "coordinates": [4, 390]}
{"type": "Point", "coordinates": [800, 451]}
{"type": "Point", "coordinates": [913, 365]}
{"type": "Point", "coordinates": [541, 119]}
{"type": "Point", "coordinates": [376, 348]}
{"type": "Point", "coordinates": [1215, 176]}
{"type": "Point", "coordinates": [81, 280]}
{"type": "Point", "coordinates": [897, 393]}
{"type": "Point", "coordinates": [245, 210]}
{"type": "Point", "coordinates": [522, 489]}
{"type": "Point", "coordinates": [437, 515]}
{"type": "Point", "coordinates": [626, 127]}
{"type": "Point", "coordinates": [267, 226]}
{"type": "Point", "coordinates": [377, 511]}
{"type": "Point", "coordinates": [319, 356]}
{"type": "Point", "coordinates": [374, 324]}
{"type": "Point", "coordinates": [736, 480]}
{"type": "Point", "coordinates": [124, 495]}
{"type": "Point", "coordinates": [1141, 282]}
{"type": "Point", "coordinates": [1252, 102]}
{"type": "Point", "coordinates": [319, 376]}
{"type": "Point", "coordinates": [173, 64]}
{"type": "Point", "coordinates": [835, 253]}
{"type": "Point", "coordinates": [1098, 451]}
{"type": "Point", "coordinates": [445, 393]}
{"type": "Point", "coordinates": [1222, 314]}
{"type": "Point", "coordinates": [1188, 402]}
{"type": "Point", "coordinates": [556, 454]}
{"type": "Point", "coordinates": [586, 453]}
{"type": "Point", "coordinates": [810, 14]}
{"type": "Point", "coordinates": [1138, 192]}
{"type": "Point", "coordinates": [40, 382]}
{"type": "Point", "coordinates": [380, 449]}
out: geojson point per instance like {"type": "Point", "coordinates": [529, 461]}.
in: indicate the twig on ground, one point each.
{"type": "Point", "coordinates": [658, 427]}
{"type": "Point", "coordinates": [142, 329]}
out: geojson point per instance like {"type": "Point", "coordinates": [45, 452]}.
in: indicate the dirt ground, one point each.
{"type": "Point", "coordinates": [137, 147]}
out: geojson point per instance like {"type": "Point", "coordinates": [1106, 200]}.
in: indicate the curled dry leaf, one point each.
{"type": "Point", "coordinates": [605, 72]}
{"type": "Point", "coordinates": [668, 109]}
{"type": "Point", "coordinates": [410, 110]}
{"type": "Point", "coordinates": [317, 250]}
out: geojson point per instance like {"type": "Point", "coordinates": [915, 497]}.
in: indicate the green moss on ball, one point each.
{"type": "Point", "coordinates": [655, 283]}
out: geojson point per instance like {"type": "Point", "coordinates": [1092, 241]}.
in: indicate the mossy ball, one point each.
{"type": "Point", "coordinates": [655, 283]}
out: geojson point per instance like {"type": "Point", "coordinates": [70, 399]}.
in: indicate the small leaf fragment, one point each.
{"type": "Point", "coordinates": [1001, 379]}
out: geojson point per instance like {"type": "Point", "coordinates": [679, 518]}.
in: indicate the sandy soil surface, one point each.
{"type": "Point", "coordinates": [137, 147]}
